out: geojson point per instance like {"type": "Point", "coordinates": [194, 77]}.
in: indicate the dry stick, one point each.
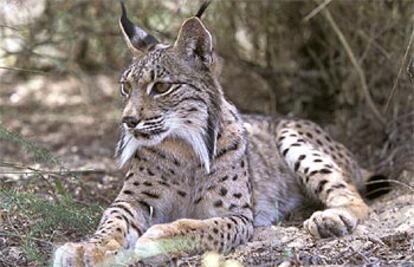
{"type": "Point", "coordinates": [404, 59]}
{"type": "Point", "coordinates": [316, 10]}
{"type": "Point", "coordinates": [24, 70]}
{"type": "Point", "coordinates": [357, 67]}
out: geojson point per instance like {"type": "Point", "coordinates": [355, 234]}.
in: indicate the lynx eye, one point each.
{"type": "Point", "coordinates": [160, 88]}
{"type": "Point", "coordinates": [126, 89]}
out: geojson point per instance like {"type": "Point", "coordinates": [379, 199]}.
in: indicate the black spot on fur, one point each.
{"type": "Point", "coordinates": [297, 165]}
{"type": "Point", "coordinates": [320, 186]}
{"type": "Point", "coordinates": [128, 192]}
{"type": "Point", "coordinates": [146, 183]}
{"type": "Point", "coordinates": [230, 148]}
{"type": "Point", "coordinates": [234, 220]}
{"type": "Point", "coordinates": [312, 173]}
{"type": "Point", "coordinates": [218, 203]}
{"type": "Point", "coordinates": [246, 206]}
{"type": "Point", "coordinates": [129, 176]}
{"type": "Point", "coordinates": [235, 177]}
{"type": "Point", "coordinates": [232, 206]}
{"type": "Point", "coordinates": [325, 171]}
{"type": "Point", "coordinates": [149, 194]}
{"type": "Point", "coordinates": [224, 178]}
{"type": "Point", "coordinates": [164, 183]}
{"type": "Point", "coordinates": [181, 193]}
{"type": "Point", "coordinates": [285, 151]}
{"type": "Point", "coordinates": [237, 195]}
{"type": "Point", "coordinates": [223, 191]}
{"type": "Point", "coordinates": [211, 187]}
{"type": "Point", "coordinates": [319, 142]}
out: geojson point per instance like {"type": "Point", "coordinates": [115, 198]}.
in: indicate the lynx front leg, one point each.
{"type": "Point", "coordinates": [194, 236]}
{"type": "Point", "coordinates": [316, 158]}
{"type": "Point", "coordinates": [120, 227]}
{"type": "Point", "coordinates": [133, 211]}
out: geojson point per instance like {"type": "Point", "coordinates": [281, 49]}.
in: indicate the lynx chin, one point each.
{"type": "Point", "coordinates": [199, 170]}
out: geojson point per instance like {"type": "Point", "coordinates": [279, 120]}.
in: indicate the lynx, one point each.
{"type": "Point", "coordinates": [198, 170]}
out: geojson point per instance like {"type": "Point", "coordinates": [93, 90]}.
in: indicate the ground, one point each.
{"type": "Point", "coordinates": [60, 198]}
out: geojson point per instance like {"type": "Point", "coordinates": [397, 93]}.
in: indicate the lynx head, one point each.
{"type": "Point", "coordinates": [170, 90]}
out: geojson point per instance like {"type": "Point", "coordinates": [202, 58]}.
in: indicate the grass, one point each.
{"type": "Point", "coordinates": [38, 154]}
{"type": "Point", "coordinates": [34, 221]}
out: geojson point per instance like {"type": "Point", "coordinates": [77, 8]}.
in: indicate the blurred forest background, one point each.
{"type": "Point", "coordinates": [347, 65]}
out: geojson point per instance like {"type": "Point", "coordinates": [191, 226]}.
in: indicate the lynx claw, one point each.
{"type": "Point", "coordinates": [331, 223]}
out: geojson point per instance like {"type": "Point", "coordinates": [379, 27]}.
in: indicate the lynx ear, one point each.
{"type": "Point", "coordinates": [194, 41]}
{"type": "Point", "coordinates": [137, 39]}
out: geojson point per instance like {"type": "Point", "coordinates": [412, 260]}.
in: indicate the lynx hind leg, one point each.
{"type": "Point", "coordinates": [325, 169]}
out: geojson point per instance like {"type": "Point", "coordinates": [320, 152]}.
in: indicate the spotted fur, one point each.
{"type": "Point", "coordinates": [200, 171]}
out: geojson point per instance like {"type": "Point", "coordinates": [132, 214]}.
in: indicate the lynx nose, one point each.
{"type": "Point", "coordinates": [131, 122]}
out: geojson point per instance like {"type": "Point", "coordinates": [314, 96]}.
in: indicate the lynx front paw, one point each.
{"type": "Point", "coordinates": [152, 242]}
{"type": "Point", "coordinates": [331, 222]}
{"type": "Point", "coordinates": [85, 254]}
{"type": "Point", "coordinates": [168, 239]}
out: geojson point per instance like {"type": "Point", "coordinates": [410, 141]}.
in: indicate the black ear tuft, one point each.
{"type": "Point", "coordinates": [203, 8]}
{"type": "Point", "coordinates": [137, 38]}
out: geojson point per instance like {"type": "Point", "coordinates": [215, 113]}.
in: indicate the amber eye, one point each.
{"type": "Point", "coordinates": [160, 88]}
{"type": "Point", "coordinates": [126, 89]}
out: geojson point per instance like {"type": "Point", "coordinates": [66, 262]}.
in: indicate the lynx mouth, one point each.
{"type": "Point", "coordinates": [148, 133]}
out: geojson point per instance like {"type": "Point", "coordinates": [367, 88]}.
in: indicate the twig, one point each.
{"type": "Point", "coordinates": [316, 10]}
{"type": "Point", "coordinates": [62, 172]}
{"type": "Point", "coordinates": [404, 59]}
{"type": "Point", "coordinates": [410, 69]}
{"type": "Point", "coordinates": [371, 39]}
{"type": "Point", "coordinates": [8, 27]}
{"type": "Point", "coordinates": [357, 67]}
{"type": "Point", "coordinates": [23, 70]}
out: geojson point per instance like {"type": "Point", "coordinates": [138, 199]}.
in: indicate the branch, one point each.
{"type": "Point", "coordinates": [316, 10]}
{"type": "Point", "coordinates": [357, 67]}
{"type": "Point", "coordinates": [404, 59]}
